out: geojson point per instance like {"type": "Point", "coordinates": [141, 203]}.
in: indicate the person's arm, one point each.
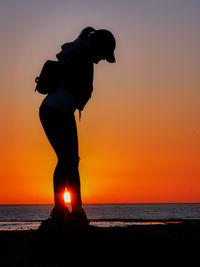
{"type": "Point", "coordinates": [83, 92]}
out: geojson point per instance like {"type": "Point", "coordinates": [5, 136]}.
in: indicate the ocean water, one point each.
{"type": "Point", "coordinates": [25, 217]}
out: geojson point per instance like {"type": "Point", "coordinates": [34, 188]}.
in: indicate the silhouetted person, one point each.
{"type": "Point", "coordinates": [57, 111]}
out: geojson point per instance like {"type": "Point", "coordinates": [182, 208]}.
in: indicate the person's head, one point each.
{"type": "Point", "coordinates": [102, 42]}
{"type": "Point", "coordinates": [84, 34]}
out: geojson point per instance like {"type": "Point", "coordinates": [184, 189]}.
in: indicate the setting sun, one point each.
{"type": "Point", "coordinates": [67, 197]}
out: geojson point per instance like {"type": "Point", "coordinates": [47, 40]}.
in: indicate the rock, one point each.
{"type": "Point", "coordinates": [62, 239]}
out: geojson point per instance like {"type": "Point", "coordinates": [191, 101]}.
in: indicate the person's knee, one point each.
{"type": "Point", "coordinates": [69, 162]}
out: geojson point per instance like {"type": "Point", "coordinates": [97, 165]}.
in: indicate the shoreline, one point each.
{"type": "Point", "coordinates": [106, 203]}
{"type": "Point", "coordinates": [27, 225]}
{"type": "Point", "coordinates": [168, 220]}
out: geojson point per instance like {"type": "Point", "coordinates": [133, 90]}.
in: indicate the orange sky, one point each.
{"type": "Point", "coordinates": [139, 137]}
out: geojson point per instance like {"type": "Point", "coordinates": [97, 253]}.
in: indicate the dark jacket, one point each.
{"type": "Point", "coordinates": [78, 70]}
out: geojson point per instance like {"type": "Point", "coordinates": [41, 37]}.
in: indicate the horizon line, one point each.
{"type": "Point", "coordinates": [99, 203]}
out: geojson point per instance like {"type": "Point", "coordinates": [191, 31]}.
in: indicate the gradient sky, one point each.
{"type": "Point", "coordinates": [139, 137]}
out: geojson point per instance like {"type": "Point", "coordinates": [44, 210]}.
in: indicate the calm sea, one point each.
{"type": "Point", "coordinates": [25, 217]}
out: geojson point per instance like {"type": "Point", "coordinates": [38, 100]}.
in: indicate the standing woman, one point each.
{"type": "Point", "coordinates": [57, 111]}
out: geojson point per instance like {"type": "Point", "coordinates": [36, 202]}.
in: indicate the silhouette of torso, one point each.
{"type": "Point", "coordinates": [77, 78]}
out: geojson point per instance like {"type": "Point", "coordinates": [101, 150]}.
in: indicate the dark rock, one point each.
{"type": "Point", "coordinates": [61, 239]}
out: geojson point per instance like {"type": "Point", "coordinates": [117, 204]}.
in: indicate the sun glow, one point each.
{"type": "Point", "coordinates": [67, 197]}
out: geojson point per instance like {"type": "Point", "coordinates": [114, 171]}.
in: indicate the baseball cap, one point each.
{"type": "Point", "coordinates": [108, 44]}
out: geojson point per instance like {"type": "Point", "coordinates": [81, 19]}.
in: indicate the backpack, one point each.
{"type": "Point", "coordinates": [50, 77]}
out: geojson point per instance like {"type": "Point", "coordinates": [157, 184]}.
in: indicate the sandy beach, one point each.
{"type": "Point", "coordinates": [171, 244]}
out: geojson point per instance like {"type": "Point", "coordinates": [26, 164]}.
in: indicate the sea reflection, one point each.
{"type": "Point", "coordinates": [123, 224]}
{"type": "Point", "coordinates": [18, 226]}
{"type": "Point", "coordinates": [22, 225]}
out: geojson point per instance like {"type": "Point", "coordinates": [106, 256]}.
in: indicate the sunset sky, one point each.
{"type": "Point", "coordinates": [139, 137]}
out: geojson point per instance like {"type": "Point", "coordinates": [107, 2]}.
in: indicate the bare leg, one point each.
{"type": "Point", "coordinates": [59, 186]}
{"type": "Point", "coordinates": [66, 174]}
{"type": "Point", "coordinates": [75, 187]}
{"type": "Point", "coordinates": [60, 128]}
